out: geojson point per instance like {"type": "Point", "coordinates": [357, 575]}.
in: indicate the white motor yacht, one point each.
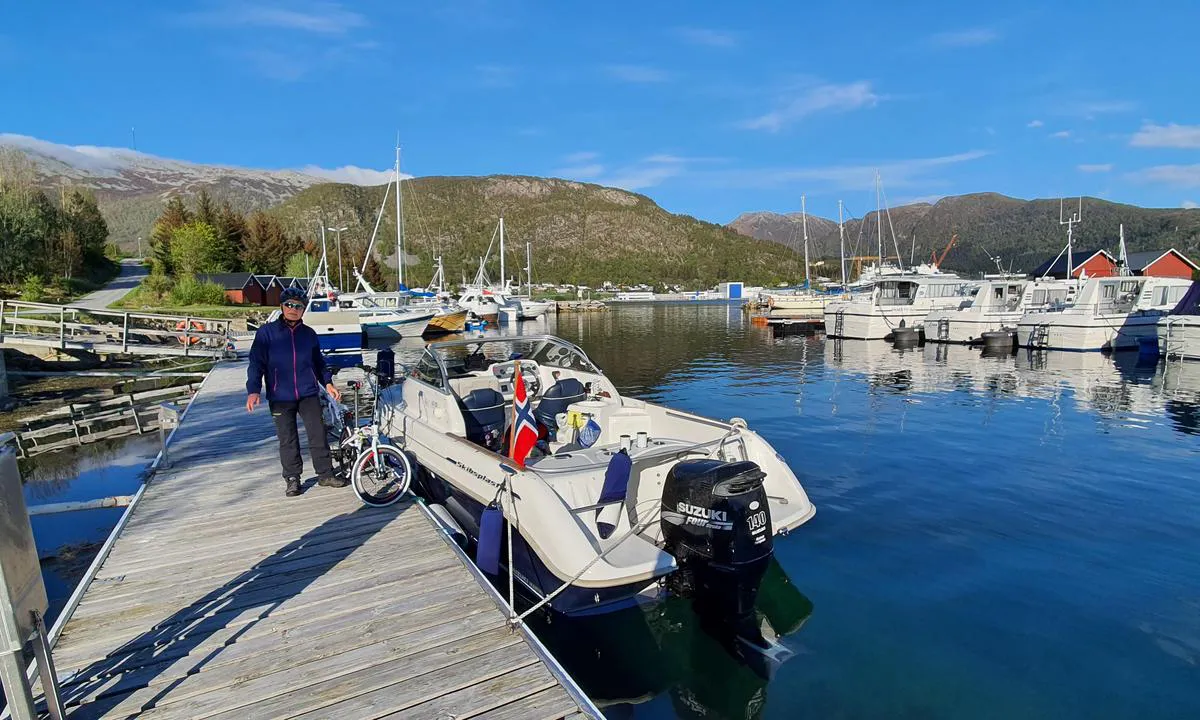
{"type": "Point", "coordinates": [618, 495]}
{"type": "Point", "coordinates": [1179, 331]}
{"type": "Point", "coordinates": [1109, 313]}
{"type": "Point", "coordinates": [999, 303]}
{"type": "Point", "coordinates": [895, 301]}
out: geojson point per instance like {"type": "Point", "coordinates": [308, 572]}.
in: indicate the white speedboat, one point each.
{"type": "Point", "coordinates": [619, 494]}
{"type": "Point", "coordinates": [894, 302]}
{"type": "Point", "coordinates": [1109, 313]}
{"type": "Point", "coordinates": [1179, 331]}
{"type": "Point", "coordinates": [481, 302]}
{"type": "Point", "coordinates": [1000, 303]}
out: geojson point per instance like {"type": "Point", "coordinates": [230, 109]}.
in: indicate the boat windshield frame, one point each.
{"type": "Point", "coordinates": [574, 358]}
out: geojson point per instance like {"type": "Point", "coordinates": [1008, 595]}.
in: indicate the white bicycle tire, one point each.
{"type": "Point", "coordinates": [360, 463]}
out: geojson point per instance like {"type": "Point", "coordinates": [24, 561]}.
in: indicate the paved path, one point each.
{"type": "Point", "coordinates": [224, 599]}
{"type": "Point", "coordinates": [132, 272]}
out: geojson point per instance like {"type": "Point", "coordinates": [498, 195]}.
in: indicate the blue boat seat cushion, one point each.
{"type": "Point", "coordinates": [484, 413]}
{"type": "Point", "coordinates": [556, 399]}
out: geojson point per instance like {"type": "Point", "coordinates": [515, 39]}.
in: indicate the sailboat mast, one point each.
{"type": "Point", "coordinates": [804, 225]}
{"type": "Point", "coordinates": [879, 222]}
{"type": "Point", "coordinates": [842, 243]}
{"type": "Point", "coordinates": [503, 279]}
{"type": "Point", "coordinates": [399, 227]}
{"type": "Point", "coordinates": [528, 270]}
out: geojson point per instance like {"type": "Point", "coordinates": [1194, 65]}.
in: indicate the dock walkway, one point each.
{"type": "Point", "coordinates": [221, 598]}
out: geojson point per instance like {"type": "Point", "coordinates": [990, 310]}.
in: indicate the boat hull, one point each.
{"type": "Point", "coordinates": [861, 321]}
{"type": "Point", "coordinates": [1085, 333]}
{"type": "Point", "coordinates": [452, 322]}
{"type": "Point", "coordinates": [964, 327]}
{"type": "Point", "coordinates": [1179, 337]}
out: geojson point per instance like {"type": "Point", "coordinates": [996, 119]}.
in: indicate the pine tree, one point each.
{"type": "Point", "coordinates": [266, 247]}
{"type": "Point", "coordinates": [173, 217]}
{"type": "Point", "coordinates": [206, 210]}
{"type": "Point", "coordinates": [230, 226]}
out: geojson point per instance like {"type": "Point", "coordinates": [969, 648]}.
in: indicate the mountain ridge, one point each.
{"type": "Point", "coordinates": [1021, 233]}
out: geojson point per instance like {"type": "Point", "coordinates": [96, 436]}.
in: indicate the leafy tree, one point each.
{"type": "Point", "coordinates": [298, 265]}
{"type": "Point", "coordinates": [29, 222]}
{"type": "Point", "coordinates": [194, 250]}
{"type": "Point", "coordinates": [83, 233]}
{"type": "Point", "coordinates": [190, 291]}
{"type": "Point", "coordinates": [174, 216]}
{"type": "Point", "coordinates": [266, 247]}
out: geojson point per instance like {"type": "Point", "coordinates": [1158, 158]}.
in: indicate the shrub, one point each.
{"type": "Point", "coordinates": [155, 287]}
{"type": "Point", "coordinates": [190, 291]}
{"type": "Point", "coordinates": [33, 290]}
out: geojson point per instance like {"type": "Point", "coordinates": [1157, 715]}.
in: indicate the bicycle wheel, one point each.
{"type": "Point", "coordinates": [381, 475]}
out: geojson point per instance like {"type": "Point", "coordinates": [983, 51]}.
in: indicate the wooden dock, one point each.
{"type": "Point", "coordinates": [221, 598]}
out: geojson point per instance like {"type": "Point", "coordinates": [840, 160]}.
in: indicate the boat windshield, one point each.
{"type": "Point", "coordinates": [464, 356]}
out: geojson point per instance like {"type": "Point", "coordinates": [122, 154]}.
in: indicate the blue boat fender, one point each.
{"type": "Point", "coordinates": [491, 527]}
{"type": "Point", "coordinates": [612, 494]}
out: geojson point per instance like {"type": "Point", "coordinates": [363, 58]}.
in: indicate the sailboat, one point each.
{"type": "Point", "coordinates": [388, 313]}
{"type": "Point", "coordinates": [490, 301]}
{"type": "Point", "coordinates": [806, 302]}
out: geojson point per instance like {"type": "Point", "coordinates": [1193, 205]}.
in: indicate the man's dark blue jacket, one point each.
{"type": "Point", "coordinates": [291, 360]}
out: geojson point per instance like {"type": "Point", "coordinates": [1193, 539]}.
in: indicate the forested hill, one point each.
{"type": "Point", "coordinates": [1023, 233]}
{"type": "Point", "coordinates": [577, 232]}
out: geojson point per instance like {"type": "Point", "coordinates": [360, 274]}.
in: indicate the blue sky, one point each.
{"type": "Point", "coordinates": [710, 108]}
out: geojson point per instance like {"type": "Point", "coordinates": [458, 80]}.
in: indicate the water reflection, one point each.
{"type": "Point", "coordinates": [633, 661]}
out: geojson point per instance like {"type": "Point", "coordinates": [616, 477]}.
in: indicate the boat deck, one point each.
{"type": "Point", "coordinates": [221, 598]}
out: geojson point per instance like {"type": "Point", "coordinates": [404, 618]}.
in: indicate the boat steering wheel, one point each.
{"type": "Point", "coordinates": [504, 372]}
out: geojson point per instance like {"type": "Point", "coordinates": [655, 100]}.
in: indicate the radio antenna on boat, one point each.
{"type": "Point", "coordinates": [1074, 219]}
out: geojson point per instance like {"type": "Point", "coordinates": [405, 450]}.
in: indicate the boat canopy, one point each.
{"type": "Point", "coordinates": [1190, 304]}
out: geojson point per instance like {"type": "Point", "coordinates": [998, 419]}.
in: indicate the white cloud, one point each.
{"type": "Point", "coordinates": [647, 172]}
{"type": "Point", "coordinates": [636, 73]}
{"type": "Point", "coordinates": [1107, 107]}
{"type": "Point", "coordinates": [581, 157]}
{"type": "Point", "coordinates": [919, 199]}
{"type": "Point", "coordinates": [969, 37]}
{"type": "Point", "coordinates": [895, 174]}
{"type": "Point", "coordinates": [324, 18]}
{"type": "Point", "coordinates": [352, 175]}
{"type": "Point", "coordinates": [1167, 136]}
{"type": "Point", "coordinates": [811, 99]}
{"type": "Point", "coordinates": [1174, 175]}
{"type": "Point", "coordinates": [1061, 134]}
{"type": "Point", "coordinates": [1095, 168]}
{"type": "Point", "coordinates": [1189, 205]}
{"type": "Point", "coordinates": [707, 36]}
{"type": "Point", "coordinates": [1034, 124]}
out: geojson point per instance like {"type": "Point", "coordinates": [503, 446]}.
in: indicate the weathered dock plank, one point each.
{"type": "Point", "coordinates": [223, 598]}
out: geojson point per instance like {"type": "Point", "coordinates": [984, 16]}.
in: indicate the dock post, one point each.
{"type": "Point", "coordinates": [125, 334]}
{"type": "Point", "coordinates": [62, 326]}
{"type": "Point", "coordinates": [168, 419]}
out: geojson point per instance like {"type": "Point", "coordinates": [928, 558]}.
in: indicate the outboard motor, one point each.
{"type": "Point", "coordinates": [716, 524]}
{"type": "Point", "coordinates": [385, 367]}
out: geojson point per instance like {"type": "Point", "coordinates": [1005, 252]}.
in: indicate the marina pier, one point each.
{"type": "Point", "coordinates": [216, 596]}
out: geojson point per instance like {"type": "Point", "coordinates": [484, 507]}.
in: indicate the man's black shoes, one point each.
{"type": "Point", "coordinates": [293, 487]}
{"type": "Point", "coordinates": [332, 481]}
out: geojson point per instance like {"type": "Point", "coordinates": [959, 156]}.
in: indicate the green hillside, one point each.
{"type": "Point", "coordinates": [579, 233]}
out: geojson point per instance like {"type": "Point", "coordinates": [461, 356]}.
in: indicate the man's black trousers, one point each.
{"type": "Point", "coordinates": [309, 409]}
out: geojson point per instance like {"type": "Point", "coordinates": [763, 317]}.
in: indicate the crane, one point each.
{"type": "Point", "coordinates": [933, 256]}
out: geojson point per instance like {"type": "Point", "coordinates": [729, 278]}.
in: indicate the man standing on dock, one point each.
{"type": "Point", "coordinates": [288, 353]}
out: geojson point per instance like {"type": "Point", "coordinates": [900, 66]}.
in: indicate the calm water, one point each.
{"type": "Point", "coordinates": [995, 537]}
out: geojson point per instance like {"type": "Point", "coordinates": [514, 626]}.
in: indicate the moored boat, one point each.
{"type": "Point", "coordinates": [619, 493]}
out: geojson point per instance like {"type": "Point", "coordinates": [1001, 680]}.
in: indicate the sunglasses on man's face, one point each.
{"type": "Point", "coordinates": [293, 305]}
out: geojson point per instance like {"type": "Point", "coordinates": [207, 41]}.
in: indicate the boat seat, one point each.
{"type": "Point", "coordinates": [484, 416]}
{"type": "Point", "coordinates": [556, 399]}
{"type": "Point", "coordinates": [465, 384]}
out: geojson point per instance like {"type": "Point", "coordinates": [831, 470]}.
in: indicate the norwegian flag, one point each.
{"type": "Point", "coordinates": [524, 428]}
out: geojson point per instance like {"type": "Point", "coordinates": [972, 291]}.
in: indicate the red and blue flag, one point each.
{"type": "Point", "coordinates": [524, 427]}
